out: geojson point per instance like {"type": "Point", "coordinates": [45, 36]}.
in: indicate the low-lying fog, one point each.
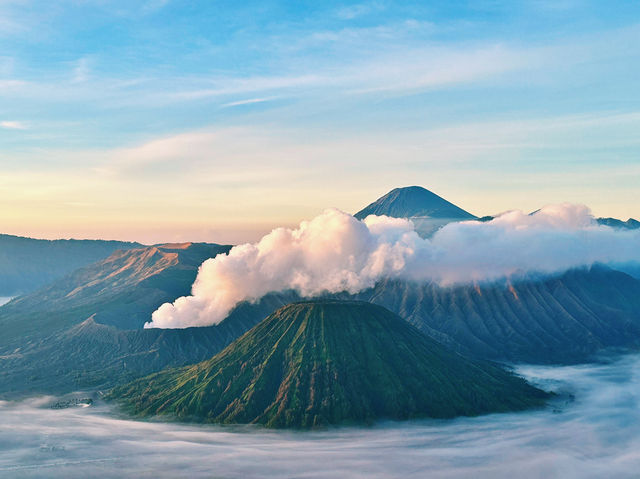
{"type": "Point", "coordinates": [597, 435]}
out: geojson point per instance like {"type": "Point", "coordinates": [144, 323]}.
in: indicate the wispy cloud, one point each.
{"type": "Point", "coordinates": [383, 60]}
{"type": "Point", "coordinates": [401, 70]}
{"type": "Point", "coordinates": [249, 101]}
{"type": "Point", "coordinates": [81, 70]}
{"type": "Point", "coordinates": [6, 65]}
{"type": "Point", "coordinates": [10, 84]}
{"type": "Point", "coordinates": [221, 87]}
{"type": "Point", "coordinates": [234, 153]}
{"type": "Point", "coordinates": [13, 125]}
{"type": "Point", "coordinates": [440, 68]}
{"type": "Point", "coordinates": [9, 26]}
{"type": "Point", "coordinates": [239, 176]}
{"type": "Point", "coordinates": [154, 5]}
{"type": "Point", "coordinates": [384, 92]}
{"type": "Point", "coordinates": [354, 11]}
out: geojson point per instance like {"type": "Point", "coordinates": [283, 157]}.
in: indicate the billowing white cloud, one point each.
{"type": "Point", "coordinates": [335, 252]}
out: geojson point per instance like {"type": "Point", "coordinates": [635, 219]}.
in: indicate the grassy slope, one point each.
{"type": "Point", "coordinates": [319, 363]}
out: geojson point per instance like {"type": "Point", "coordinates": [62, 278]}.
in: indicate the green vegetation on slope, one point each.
{"type": "Point", "coordinates": [329, 362]}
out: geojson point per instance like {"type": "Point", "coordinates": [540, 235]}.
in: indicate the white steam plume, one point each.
{"type": "Point", "coordinates": [335, 252]}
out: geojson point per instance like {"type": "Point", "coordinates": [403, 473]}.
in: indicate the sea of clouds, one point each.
{"type": "Point", "coordinates": [596, 435]}
{"type": "Point", "coordinates": [335, 252]}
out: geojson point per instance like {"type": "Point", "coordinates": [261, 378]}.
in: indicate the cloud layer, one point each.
{"type": "Point", "coordinates": [335, 252]}
{"type": "Point", "coordinates": [595, 436]}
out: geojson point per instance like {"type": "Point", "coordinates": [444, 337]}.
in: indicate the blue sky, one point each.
{"type": "Point", "coordinates": [170, 120]}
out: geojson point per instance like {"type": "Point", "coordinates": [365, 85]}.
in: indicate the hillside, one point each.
{"type": "Point", "coordinates": [85, 330]}
{"type": "Point", "coordinates": [329, 362]}
{"type": "Point", "coordinates": [562, 319]}
{"type": "Point", "coordinates": [121, 290]}
{"type": "Point", "coordinates": [630, 224]}
{"type": "Point", "coordinates": [27, 264]}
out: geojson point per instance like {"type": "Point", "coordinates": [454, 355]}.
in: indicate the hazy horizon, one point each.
{"type": "Point", "coordinates": [157, 122]}
{"type": "Point", "coordinates": [244, 234]}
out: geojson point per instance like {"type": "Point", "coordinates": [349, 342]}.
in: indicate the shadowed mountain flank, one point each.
{"type": "Point", "coordinates": [27, 264]}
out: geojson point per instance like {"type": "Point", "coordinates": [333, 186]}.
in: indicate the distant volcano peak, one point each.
{"type": "Point", "coordinates": [414, 202]}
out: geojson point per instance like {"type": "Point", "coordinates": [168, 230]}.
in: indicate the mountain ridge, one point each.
{"type": "Point", "coordinates": [630, 224]}
{"type": "Point", "coordinates": [559, 319]}
{"type": "Point", "coordinates": [27, 264]}
{"type": "Point", "coordinates": [50, 347]}
{"type": "Point", "coordinates": [57, 342]}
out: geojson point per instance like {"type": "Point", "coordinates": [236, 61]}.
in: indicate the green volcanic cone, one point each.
{"type": "Point", "coordinates": [329, 362]}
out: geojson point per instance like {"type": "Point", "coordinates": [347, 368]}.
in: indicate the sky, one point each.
{"type": "Point", "coordinates": [167, 120]}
